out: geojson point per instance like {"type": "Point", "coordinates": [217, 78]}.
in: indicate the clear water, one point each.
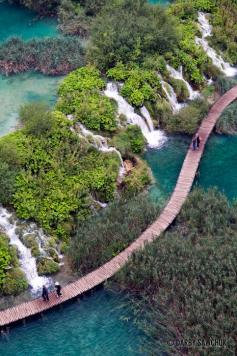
{"type": "Point", "coordinates": [218, 166]}
{"type": "Point", "coordinates": [17, 21]}
{"type": "Point", "coordinates": [96, 325]}
{"type": "Point", "coordinates": [19, 89]}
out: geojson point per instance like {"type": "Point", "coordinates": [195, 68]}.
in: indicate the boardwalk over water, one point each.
{"type": "Point", "coordinates": [171, 210]}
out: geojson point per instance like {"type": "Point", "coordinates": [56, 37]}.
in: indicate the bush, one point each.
{"type": "Point", "coordinates": [103, 236]}
{"type": "Point", "coordinates": [137, 179]}
{"type": "Point", "coordinates": [37, 118]}
{"type": "Point", "coordinates": [187, 119]}
{"type": "Point", "coordinates": [80, 95]}
{"type": "Point", "coordinates": [129, 140]}
{"type": "Point", "coordinates": [15, 282]}
{"type": "Point", "coordinates": [140, 85]}
{"type": "Point", "coordinates": [47, 266]}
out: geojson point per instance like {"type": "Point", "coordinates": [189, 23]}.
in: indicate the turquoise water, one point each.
{"type": "Point", "coordinates": [161, 2]}
{"type": "Point", "coordinates": [17, 21]}
{"type": "Point", "coordinates": [94, 326]}
{"type": "Point", "coordinates": [19, 89]}
{"type": "Point", "coordinates": [218, 166]}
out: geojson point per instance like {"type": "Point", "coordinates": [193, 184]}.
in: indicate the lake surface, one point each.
{"type": "Point", "coordinates": [96, 325]}
{"type": "Point", "coordinates": [17, 90]}
{"type": "Point", "coordinates": [17, 21]}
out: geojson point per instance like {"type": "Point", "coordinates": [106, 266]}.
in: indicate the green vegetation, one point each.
{"type": "Point", "coordinates": [140, 85]}
{"type": "Point", "coordinates": [186, 279]}
{"type": "Point", "coordinates": [180, 89]}
{"type": "Point", "coordinates": [129, 141]}
{"type": "Point", "coordinates": [103, 236]}
{"type": "Point", "coordinates": [187, 119]}
{"type": "Point", "coordinates": [55, 56]}
{"type": "Point", "coordinates": [56, 172]}
{"type": "Point", "coordinates": [227, 123]}
{"type": "Point", "coordinates": [47, 266]}
{"type": "Point", "coordinates": [128, 31]}
{"type": "Point", "coordinates": [80, 95]}
{"type": "Point", "coordinates": [12, 279]}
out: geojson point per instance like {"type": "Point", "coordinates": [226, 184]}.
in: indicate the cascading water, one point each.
{"type": "Point", "coordinates": [217, 60]}
{"type": "Point", "coordinates": [101, 143]}
{"type": "Point", "coordinates": [171, 96]}
{"type": "Point", "coordinates": [178, 74]}
{"type": "Point", "coordinates": [27, 261]}
{"type": "Point", "coordinates": [155, 138]}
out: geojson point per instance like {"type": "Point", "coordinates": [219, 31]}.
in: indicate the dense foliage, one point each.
{"type": "Point", "coordinates": [12, 279]}
{"type": "Point", "coordinates": [128, 31]}
{"type": "Point", "coordinates": [187, 119]}
{"type": "Point", "coordinates": [140, 85]}
{"type": "Point", "coordinates": [80, 94]}
{"type": "Point", "coordinates": [186, 279]}
{"type": "Point", "coordinates": [128, 141]}
{"type": "Point", "coordinates": [103, 236]}
{"type": "Point", "coordinates": [55, 56]}
{"type": "Point", "coordinates": [57, 173]}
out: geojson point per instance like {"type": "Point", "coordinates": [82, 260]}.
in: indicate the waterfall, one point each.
{"type": "Point", "coordinates": [178, 74]}
{"type": "Point", "coordinates": [101, 144]}
{"type": "Point", "coordinates": [217, 60]}
{"type": "Point", "coordinates": [155, 138]}
{"type": "Point", "coordinates": [27, 261]}
{"type": "Point", "coordinates": [172, 98]}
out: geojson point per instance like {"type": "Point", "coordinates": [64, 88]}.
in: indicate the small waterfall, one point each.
{"type": "Point", "coordinates": [172, 97]}
{"type": "Point", "coordinates": [217, 60]}
{"type": "Point", "coordinates": [178, 74]}
{"type": "Point", "coordinates": [27, 261]}
{"type": "Point", "coordinates": [101, 144]}
{"type": "Point", "coordinates": [155, 138]}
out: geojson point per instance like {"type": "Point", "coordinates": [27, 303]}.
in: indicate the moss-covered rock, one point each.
{"type": "Point", "coordinates": [47, 266]}
{"type": "Point", "coordinates": [31, 242]}
{"type": "Point", "coordinates": [53, 254]}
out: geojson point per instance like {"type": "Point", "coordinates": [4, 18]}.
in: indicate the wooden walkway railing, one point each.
{"type": "Point", "coordinates": [172, 209]}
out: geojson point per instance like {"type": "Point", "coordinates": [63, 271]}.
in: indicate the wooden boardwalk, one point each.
{"type": "Point", "coordinates": [172, 209]}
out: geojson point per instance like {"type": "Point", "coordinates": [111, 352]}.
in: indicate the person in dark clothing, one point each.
{"type": "Point", "coordinates": [45, 294]}
{"type": "Point", "coordinates": [194, 144]}
{"type": "Point", "coordinates": [198, 141]}
{"type": "Point", "coordinates": [58, 289]}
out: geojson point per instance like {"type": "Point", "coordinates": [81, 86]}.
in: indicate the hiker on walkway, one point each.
{"type": "Point", "coordinates": [58, 289]}
{"type": "Point", "coordinates": [198, 141]}
{"type": "Point", "coordinates": [45, 294]}
{"type": "Point", "coordinates": [194, 143]}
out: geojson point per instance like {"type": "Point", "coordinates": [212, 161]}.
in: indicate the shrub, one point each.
{"type": "Point", "coordinates": [14, 282]}
{"type": "Point", "coordinates": [188, 118]}
{"type": "Point", "coordinates": [137, 179]}
{"type": "Point", "coordinates": [129, 140]}
{"type": "Point", "coordinates": [80, 94]}
{"type": "Point", "coordinates": [227, 123]}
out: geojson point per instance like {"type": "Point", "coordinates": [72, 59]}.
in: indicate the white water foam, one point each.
{"type": "Point", "coordinates": [155, 138]}
{"type": "Point", "coordinates": [172, 97]}
{"type": "Point", "coordinates": [217, 60]}
{"type": "Point", "coordinates": [27, 261]}
{"type": "Point", "coordinates": [178, 74]}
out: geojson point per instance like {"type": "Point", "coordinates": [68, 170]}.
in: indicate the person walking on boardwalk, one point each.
{"type": "Point", "coordinates": [58, 289]}
{"type": "Point", "coordinates": [198, 140]}
{"type": "Point", "coordinates": [194, 143]}
{"type": "Point", "coordinates": [45, 294]}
